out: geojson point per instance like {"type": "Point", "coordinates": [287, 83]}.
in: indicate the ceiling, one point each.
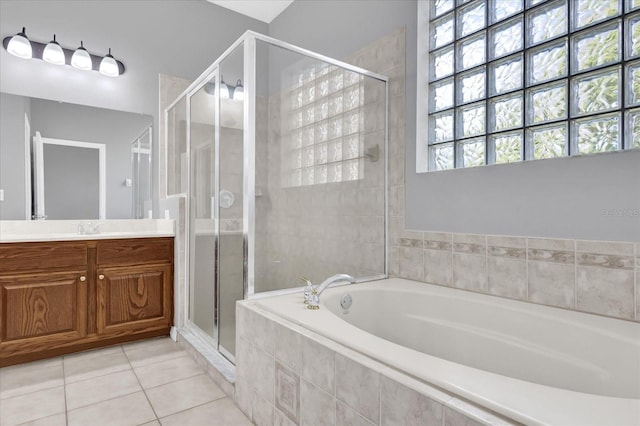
{"type": "Point", "coordinates": [263, 10]}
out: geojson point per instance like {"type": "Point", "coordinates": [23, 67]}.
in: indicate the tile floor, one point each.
{"type": "Point", "coordinates": [152, 382]}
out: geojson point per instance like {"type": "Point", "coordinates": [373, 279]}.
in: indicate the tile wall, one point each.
{"type": "Point", "coordinates": [287, 375]}
{"type": "Point", "coordinates": [318, 230]}
{"type": "Point", "coordinates": [590, 276]}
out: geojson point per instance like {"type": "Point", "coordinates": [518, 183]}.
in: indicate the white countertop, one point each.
{"type": "Point", "coordinates": [12, 231]}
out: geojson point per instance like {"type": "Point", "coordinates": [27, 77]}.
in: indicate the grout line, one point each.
{"type": "Point", "coordinates": [95, 377]}
{"type": "Point", "coordinates": [64, 389]}
{"type": "Point", "coordinates": [141, 387]}
{"type": "Point", "coordinates": [575, 275]}
{"type": "Point", "coordinates": [636, 283]}
{"type": "Point", "coordinates": [104, 400]}
{"type": "Point", "coordinates": [200, 405]}
{"type": "Point", "coordinates": [186, 354]}
{"type": "Point", "coordinates": [526, 264]}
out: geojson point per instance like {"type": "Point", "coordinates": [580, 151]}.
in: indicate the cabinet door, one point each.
{"type": "Point", "coordinates": [134, 299]}
{"type": "Point", "coordinates": [41, 311]}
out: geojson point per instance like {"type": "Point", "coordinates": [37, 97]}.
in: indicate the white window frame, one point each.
{"type": "Point", "coordinates": [422, 98]}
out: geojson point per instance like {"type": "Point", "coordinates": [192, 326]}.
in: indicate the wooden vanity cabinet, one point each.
{"type": "Point", "coordinates": [135, 283]}
{"type": "Point", "coordinates": [65, 296]}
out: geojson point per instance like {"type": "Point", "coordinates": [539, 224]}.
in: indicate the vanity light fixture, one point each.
{"type": "Point", "coordinates": [19, 45]}
{"type": "Point", "coordinates": [109, 66]}
{"type": "Point", "coordinates": [224, 90]}
{"type": "Point", "coordinates": [235, 93]}
{"type": "Point", "coordinates": [53, 53]}
{"type": "Point", "coordinates": [238, 91]}
{"type": "Point", "coordinates": [81, 58]}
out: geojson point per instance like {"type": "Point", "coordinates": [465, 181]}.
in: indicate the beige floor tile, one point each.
{"type": "Point", "coordinates": [128, 410]}
{"type": "Point", "coordinates": [32, 406]}
{"type": "Point", "coordinates": [56, 420]}
{"type": "Point", "coordinates": [30, 377]}
{"type": "Point", "coordinates": [221, 412]}
{"type": "Point", "coordinates": [77, 368]}
{"type": "Point", "coordinates": [87, 392]}
{"type": "Point", "coordinates": [92, 353]}
{"type": "Point", "coordinates": [183, 394]}
{"type": "Point", "coordinates": [153, 423]}
{"type": "Point", "coordinates": [159, 373]}
{"type": "Point", "coordinates": [156, 350]}
{"type": "Point", "coordinates": [140, 344]}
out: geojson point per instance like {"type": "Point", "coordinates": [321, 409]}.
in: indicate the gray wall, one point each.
{"type": "Point", "coordinates": [566, 198]}
{"type": "Point", "coordinates": [71, 180]}
{"type": "Point", "coordinates": [115, 129]}
{"type": "Point", "coordinates": [12, 162]}
{"type": "Point", "coordinates": [174, 37]}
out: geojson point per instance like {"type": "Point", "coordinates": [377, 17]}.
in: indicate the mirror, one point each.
{"type": "Point", "coordinates": [67, 161]}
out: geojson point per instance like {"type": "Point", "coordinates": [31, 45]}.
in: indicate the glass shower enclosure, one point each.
{"type": "Point", "coordinates": [281, 154]}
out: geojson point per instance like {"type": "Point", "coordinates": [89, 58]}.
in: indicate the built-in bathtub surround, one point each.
{"type": "Point", "coordinates": [589, 276]}
{"type": "Point", "coordinates": [408, 353]}
{"type": "Point", "coordinates": [289, 375]}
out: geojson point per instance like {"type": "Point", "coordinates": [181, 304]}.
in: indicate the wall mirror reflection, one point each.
{"type": "Point", "coordinates": [55, 157]}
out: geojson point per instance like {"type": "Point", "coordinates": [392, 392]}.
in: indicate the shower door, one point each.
{"type": "Point", "coordinates": [231, 175]}
{"type": "Point", "coordinates": [216, 180]}
{"type": "Point", "coordinates": [203, 230]}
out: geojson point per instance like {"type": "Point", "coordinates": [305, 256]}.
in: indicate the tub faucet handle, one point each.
{"type": "Point", "coordinates": [314, 301]}
{"type": "Point", "coordinates": [308, 290]}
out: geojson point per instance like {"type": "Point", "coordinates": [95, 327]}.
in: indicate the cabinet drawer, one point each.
{"type": "Point", "coordinates": [134, 251]}
{"type": "Point", "coordinates": [42, 255]}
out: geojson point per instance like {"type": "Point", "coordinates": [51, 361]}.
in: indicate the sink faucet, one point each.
{"type": "Point", "coordinates": [90, 228]}
{"type": "Point", "coordinates": [314, 299]}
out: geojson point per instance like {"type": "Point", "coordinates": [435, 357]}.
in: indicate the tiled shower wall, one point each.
{"type": "Point", "coordinates": [318, 230]}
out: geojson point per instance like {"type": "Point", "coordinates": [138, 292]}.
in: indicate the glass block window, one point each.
{"type": "Point", "coordinates": [323, 127]}
{"type": "Point", "coordinates": [514, 80]}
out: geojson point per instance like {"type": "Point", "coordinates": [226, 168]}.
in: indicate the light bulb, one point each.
{"type": "Point", "coordinates": [238, 93]}
{"type": "Point", "coordinates": [224, 90]}
{"type": "Point", "coordinates": [109, 66]}
{"type": "Point", "coordinates": [81, 59]}
{"type": "Point", "coordinates": [20, 46]}
{"type": "Point", "coordinates": [53, 53]}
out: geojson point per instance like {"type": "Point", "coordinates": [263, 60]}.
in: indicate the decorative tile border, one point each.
{"type": "Point", "coordinates": [509, 252]}
{"type": "Point", "coordinates": [407, 242]}
{"type": "Point", "coordinates": [437, 245]}
{"type": "Point", "coordinates": [597, 277]}
{"type": "Point", "coordinates": [606, 261]}
{"type": "Point", "coordinates": [556, 256]}
{"type": "Point", "coordinates": [469, 248]}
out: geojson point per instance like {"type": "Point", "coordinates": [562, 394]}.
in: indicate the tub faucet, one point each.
{"type": "Point", "coordinates": [314, 300]}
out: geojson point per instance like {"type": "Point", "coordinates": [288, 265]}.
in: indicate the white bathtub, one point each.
{"type": "Point", "coordinates": [531, 363]}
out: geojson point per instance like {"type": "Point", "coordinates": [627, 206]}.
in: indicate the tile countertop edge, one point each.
{"type": "Point", "coordinates": [67, 230]}
{"type": "Point", "coordinates": [22, 238]}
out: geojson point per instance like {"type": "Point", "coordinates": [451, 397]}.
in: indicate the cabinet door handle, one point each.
{"type": "Point", "coordinates": [83, 278]}
{"type": "Point", "coordinates": [101, 277]}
